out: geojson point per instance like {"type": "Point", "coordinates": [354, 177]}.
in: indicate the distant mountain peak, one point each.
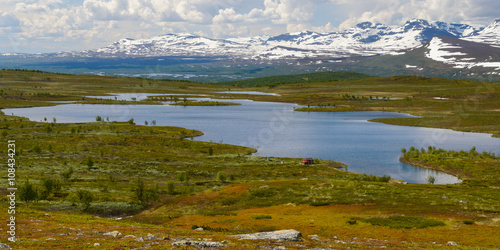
{"type": "Point", "coordinates": [364, 25]}
{"type": "Point", "coordinates": [494, 25]}
{"type": "Point", "coordinates": [490, 34]}
{"type": "Point", "coordinates": [122, 41]}
{"type": "Point", "coordinates": [417, 21]}
{"type": "Point", "coordinates": [305, 32]}
{"type": "Point", "coordinates": [185, 34]}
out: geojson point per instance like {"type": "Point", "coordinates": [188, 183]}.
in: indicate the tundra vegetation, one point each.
{"type": "Point", "coordinates": [77, 181]}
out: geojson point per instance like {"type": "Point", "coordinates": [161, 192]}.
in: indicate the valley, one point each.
{"type": "Point", "coordinates": [155, 185]}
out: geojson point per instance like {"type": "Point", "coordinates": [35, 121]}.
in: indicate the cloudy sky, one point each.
{"type": "Point", "coordinates": [31, 26]}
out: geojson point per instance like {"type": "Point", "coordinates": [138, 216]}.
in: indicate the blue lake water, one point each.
{"type": "Point", "coordinates": [278, 131]}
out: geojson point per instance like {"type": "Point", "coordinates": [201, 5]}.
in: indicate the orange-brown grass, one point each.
{"type": "Point", "coordinates": [45, 230]}
{"type": "Point", "coordinates": [331, 221]}
{"type": "Point", "coordinates": [189, 205]}
{"type": "Point", "coordinates": [176, 219]}
{"type": "Point", "coordinates": [327, 222]}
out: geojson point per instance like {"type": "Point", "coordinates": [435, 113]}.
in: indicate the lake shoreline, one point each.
{"type": "Point", "coordinates": [432, 167]}
{"type": "Point", "coordinates": [262, 133]}
{"type": "Point", "coordinates": [425, 122]}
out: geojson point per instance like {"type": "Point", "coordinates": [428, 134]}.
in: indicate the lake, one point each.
{"type": "Point", "coordinates": [278, 131]}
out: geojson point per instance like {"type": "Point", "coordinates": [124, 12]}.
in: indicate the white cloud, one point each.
{"type": "Point", "coordinates": [152, 10]}
{"type": "Point", "coordinates": [293, 11]}
{"type": "Point", "coordinates": [480, 12]}
{"type": "Point", "coordinates": [189, 12]}
{"type": "Point", "coordinates": [8, 20]}
{"type": "Point", "coordinates": [295, 15]}
{"type": "Point", "coordinates": [84, 24]}
{"type": "Point", "coordinates": [325, 28]}
{"type": "Point", "coordinates": [229, 15]}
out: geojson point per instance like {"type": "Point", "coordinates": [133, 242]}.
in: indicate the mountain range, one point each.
{"type": "Point", "coordinates": [365, 39]}
{"type": "Point", "coordinates": [419, 43]}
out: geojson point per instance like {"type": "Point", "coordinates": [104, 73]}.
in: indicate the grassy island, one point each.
{"type": "Point", "coordinates": [119, 102]}
{"type": "Point", "coordinates": [204, 103]}
{"type": "Point", "coordinates": [329, 109]}
{"type": "Point", "coordinates": [469, 165]}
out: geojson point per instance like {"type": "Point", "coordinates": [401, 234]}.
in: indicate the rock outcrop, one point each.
{"type": "Point", "coordinates": [291, 235]}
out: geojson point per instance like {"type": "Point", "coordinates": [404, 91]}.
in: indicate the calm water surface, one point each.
{"type": "Point", "coordinates": [278, 131]}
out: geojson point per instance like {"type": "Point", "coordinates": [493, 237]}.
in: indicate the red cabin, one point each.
{"type": "Point", "coordinates": [307, 161]}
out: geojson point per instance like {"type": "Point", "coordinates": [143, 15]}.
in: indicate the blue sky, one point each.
{"type": "Point", "coordinates": [32, 26]}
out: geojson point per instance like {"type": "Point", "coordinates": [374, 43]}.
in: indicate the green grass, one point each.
{"type": "Point", "coordinates": [262, 217]}
{"type": "Point", "coordinates": [273, 81]}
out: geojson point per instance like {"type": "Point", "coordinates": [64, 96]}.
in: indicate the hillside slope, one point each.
{"type": "Point", "coordinates": [442, 56]}
{"type": "Point", "coordinates": [272, 81]}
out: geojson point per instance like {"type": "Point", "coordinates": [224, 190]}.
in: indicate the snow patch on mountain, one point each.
{"type": "Point", "coordinates": [489, 65]}
{"type": "Point", "coordinates": [438, 51]}
{"type": "Point", "coordinates": [453, 54]}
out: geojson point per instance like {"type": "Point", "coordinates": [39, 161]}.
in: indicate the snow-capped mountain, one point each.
{"type": "Point", "coordinates": [489, 35]}
{"type": "Point", "coordinates": [365, 39]}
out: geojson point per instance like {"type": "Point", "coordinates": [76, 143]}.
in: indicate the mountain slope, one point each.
{"type": "Point", "coordinates": [442, 56]}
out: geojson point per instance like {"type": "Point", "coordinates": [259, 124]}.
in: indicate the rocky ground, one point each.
{"type": "Point", "coordinates": [281, 239]}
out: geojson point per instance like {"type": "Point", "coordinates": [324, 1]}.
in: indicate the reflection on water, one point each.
{"type": "Point", "coordinates": [249, 93]}
{"type": "Point", "coordinates": [278, 131]}
{"type": "Point", "coordinates": [135, 96]}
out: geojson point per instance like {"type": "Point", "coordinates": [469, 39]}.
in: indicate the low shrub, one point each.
{"type": "Point", "coordinates": [209, 228]}
{"type": "Point", "coordinates": [352, 222]}
{"type": "Point", "coordinates": [398, 221]}
{"type": "Point", "coordinates": [110, 208]}
{"type": "Point", "coordinates": [320, 203]}
{"type": "Point", "coordinates": [262, 217]}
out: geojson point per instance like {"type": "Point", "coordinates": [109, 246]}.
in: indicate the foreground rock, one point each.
{"type": "Point", "coordinates": [198, 244]}
{"type": "Point", "coordinates": [291, 235]}
{"type": "Point", "coordinates": [150, 237]}
{"type": "Point", "coordinates": [4, 246]}
{"type": "Point", "coordinates": [113, 233]}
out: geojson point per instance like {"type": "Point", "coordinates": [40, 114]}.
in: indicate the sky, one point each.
{"type": "Point", "coordinates": [38, 26]}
